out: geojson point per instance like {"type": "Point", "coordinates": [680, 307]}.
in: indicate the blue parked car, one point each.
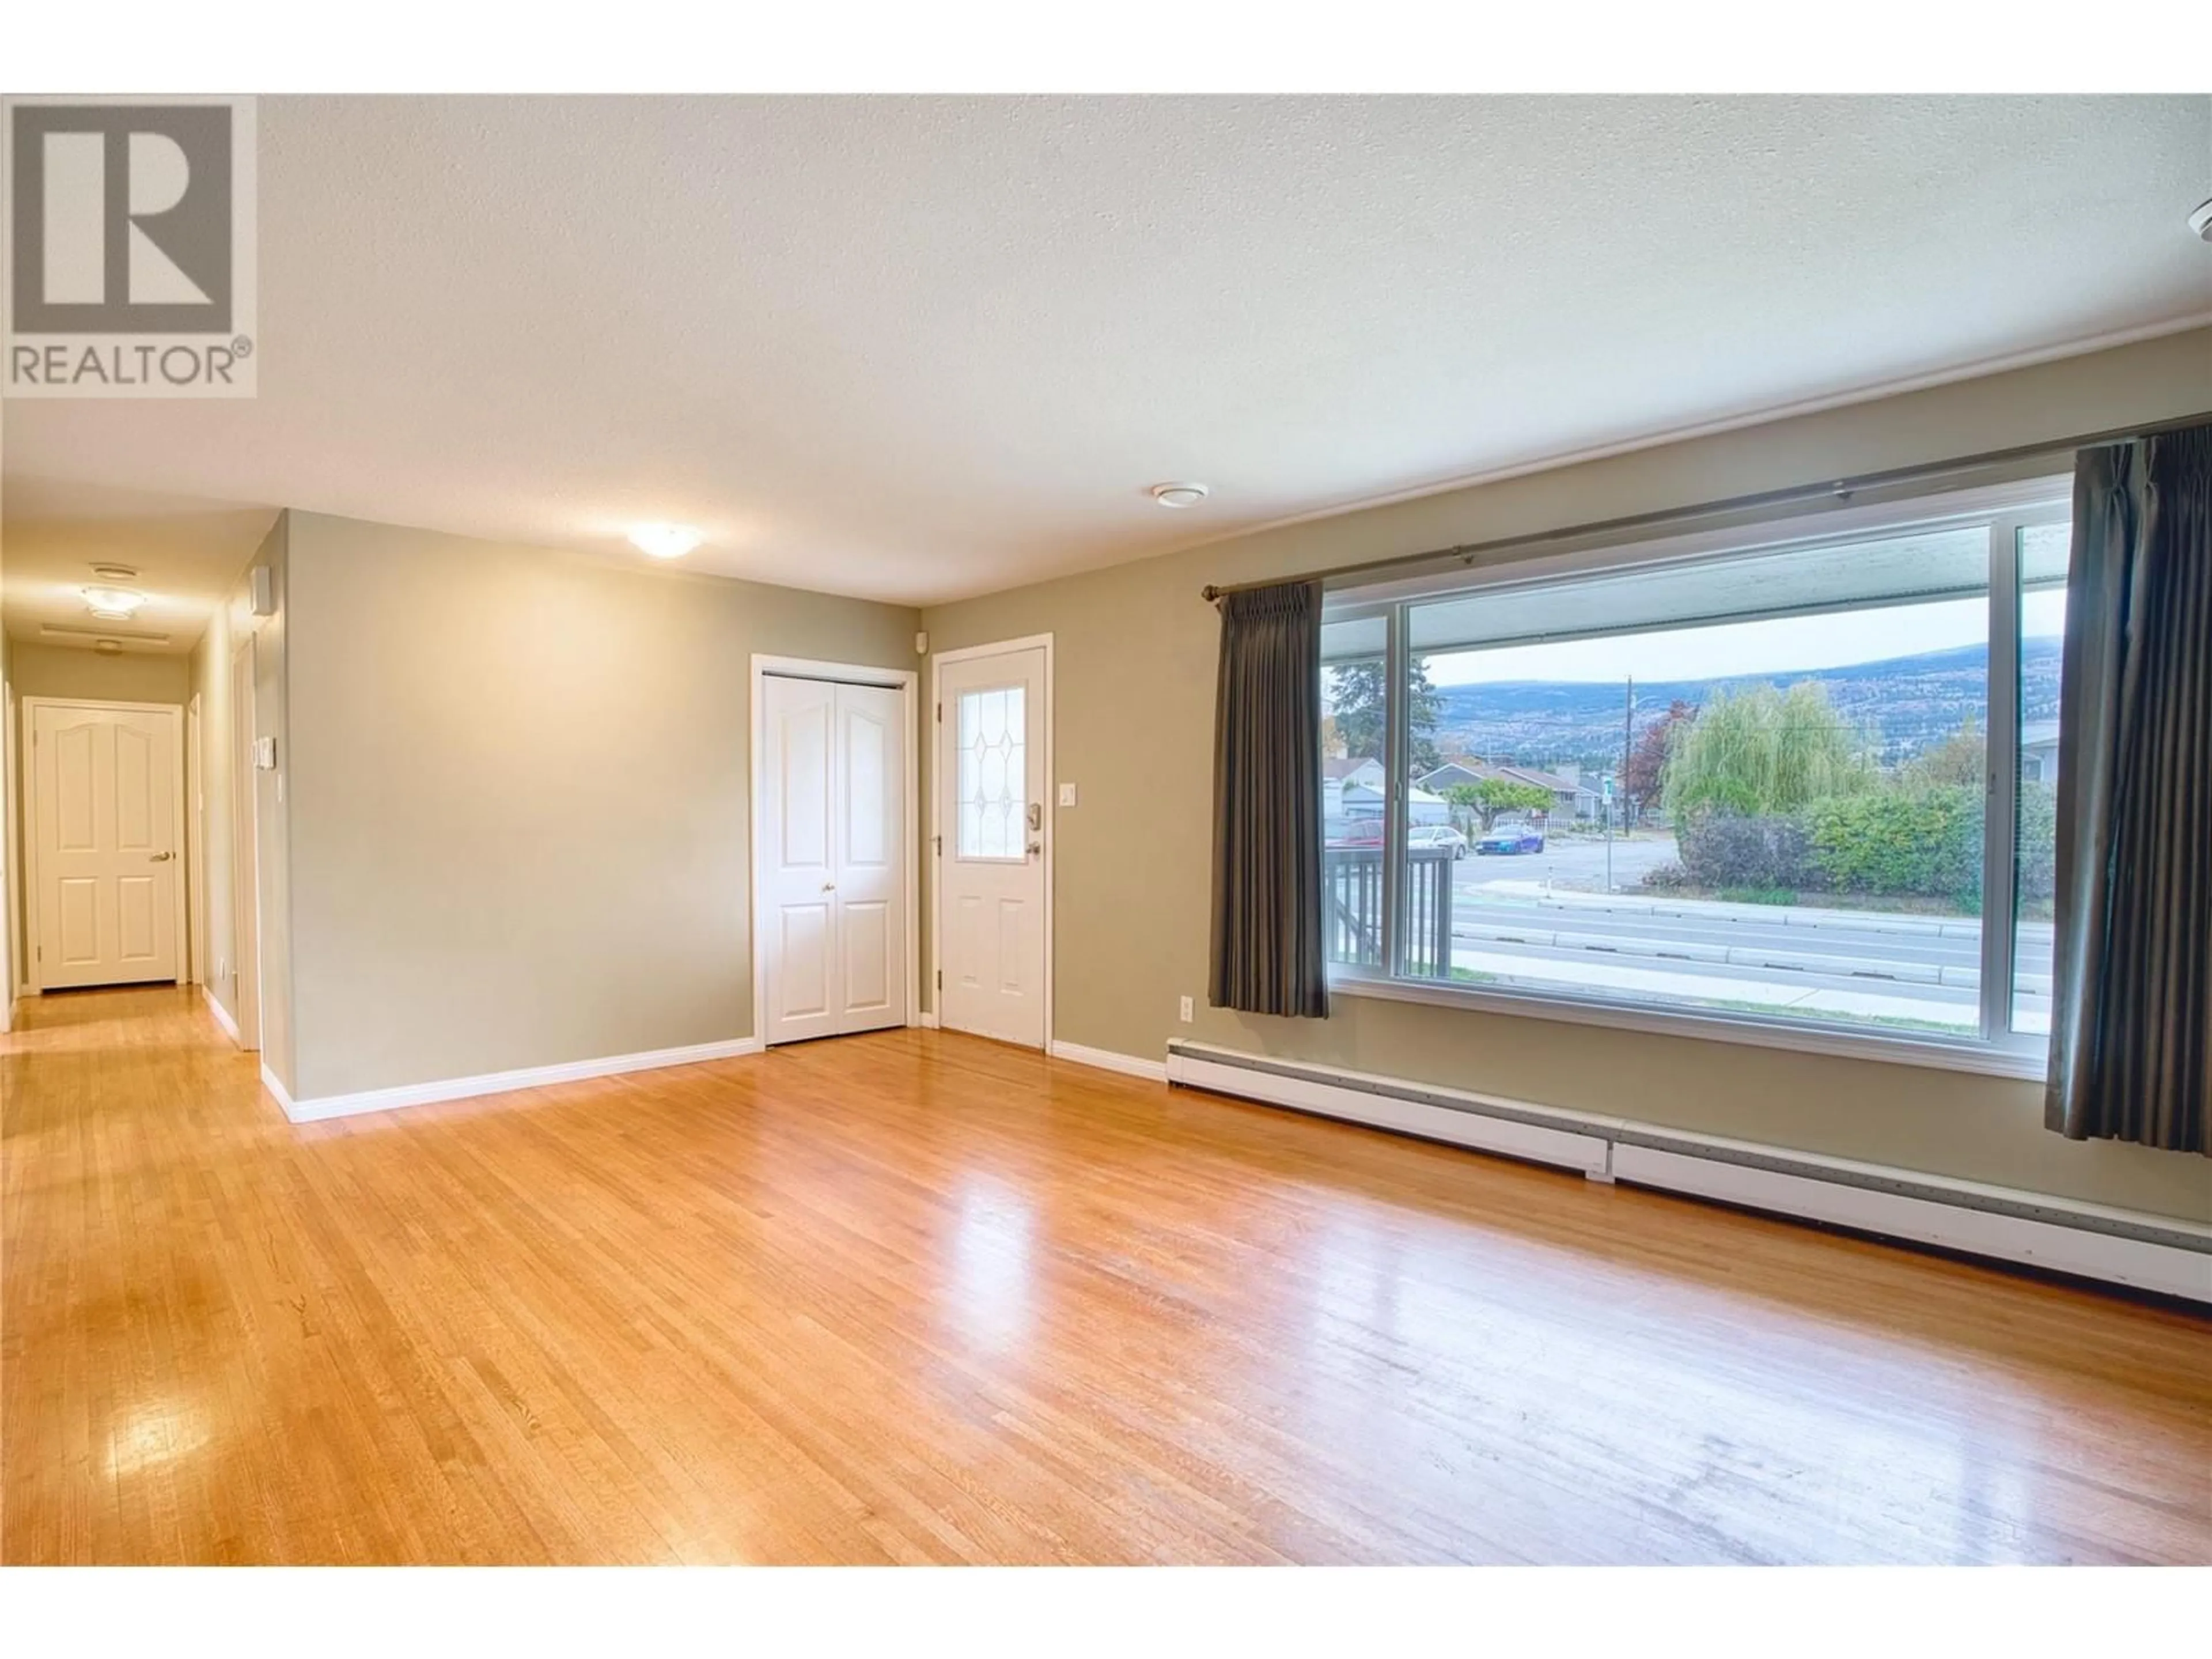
{"type": "Point", "coordinates": [1511, 838]}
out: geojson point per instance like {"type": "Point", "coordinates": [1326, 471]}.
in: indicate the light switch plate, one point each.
{"type": "Point", "coordinates": [1067, 794]}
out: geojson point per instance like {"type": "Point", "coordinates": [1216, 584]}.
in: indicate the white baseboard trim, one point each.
{"type": "Point", "coordinates": [2147, 1252]}
{"type": "Point", "coordinates": [2116, 1260]}
{"type": "Point", "coordinates": [1538, 1134]}
{"type": "Point", "coordinates": [927, 1021]}
{"type": "Point", "coordinates": [1154, 1071]}
{"type": "Point", "coordinates": [222, 1014]}
{"type": "Point", "coordinates": [283, 1096]}
{"type": "Point", "coordinates": [500, 1083]}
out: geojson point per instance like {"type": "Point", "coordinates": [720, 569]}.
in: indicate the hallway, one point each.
{"type": "Point", "coordinates": [914, 1298]}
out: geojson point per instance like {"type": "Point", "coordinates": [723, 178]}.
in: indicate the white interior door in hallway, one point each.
{"type": "Point", "coordinates": [993, 824]}
{"type": "Point", "coordinates": [835, 913]}
{"type": "Point", "coordinates": [106, 822]}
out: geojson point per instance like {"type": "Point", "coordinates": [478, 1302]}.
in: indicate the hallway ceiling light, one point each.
{"type": "Point", "coordinates": [112, 603]}
{"type": "Point", "coordinates": [665, 541]}
{"type": "Point", "coordinates": [1180, 494]}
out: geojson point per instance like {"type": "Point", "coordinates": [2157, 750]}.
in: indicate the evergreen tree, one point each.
{"type": "Point", "coordinates": [1356, 691]}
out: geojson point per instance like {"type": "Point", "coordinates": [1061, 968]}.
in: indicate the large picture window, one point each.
{"type": "Point", "coordinates": [1768, 786]}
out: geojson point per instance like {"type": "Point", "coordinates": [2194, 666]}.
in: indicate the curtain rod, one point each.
{"type": "Point", "coordinates": [1468, 552]}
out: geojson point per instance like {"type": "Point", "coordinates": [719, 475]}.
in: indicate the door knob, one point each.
{"type": "Point", "coordinates": [161, 857]}
{"type": "Point", "coordinates": [828, 886]}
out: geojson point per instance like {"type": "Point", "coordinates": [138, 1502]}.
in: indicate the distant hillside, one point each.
{"type": "Point", "coordinates": [1902, 705]}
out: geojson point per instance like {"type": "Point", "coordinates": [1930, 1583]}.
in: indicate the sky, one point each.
{"type": "Point", "coordinates": [1783, 645]}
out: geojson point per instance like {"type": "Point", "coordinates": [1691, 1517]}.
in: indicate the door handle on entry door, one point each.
{"type": "Point", "coordinates": [160, 858]}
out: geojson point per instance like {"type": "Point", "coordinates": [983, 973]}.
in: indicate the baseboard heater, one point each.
{"type": "Point", "coordinates": [2122, 1247]}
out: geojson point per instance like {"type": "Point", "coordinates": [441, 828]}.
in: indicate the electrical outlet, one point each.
{"type": "Point", "coordinates": [1185, 1011]}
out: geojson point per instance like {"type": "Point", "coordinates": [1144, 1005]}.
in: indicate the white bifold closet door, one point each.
{"type": "Point", "coordinates": [835, 909]}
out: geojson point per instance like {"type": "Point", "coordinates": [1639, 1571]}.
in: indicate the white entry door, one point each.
{"type": "Point", "coordinates": [833, 871]}
{"type": "Point", "coordinates": [993, 820]}
{"type": "Point", "coordinates": [105, 844]}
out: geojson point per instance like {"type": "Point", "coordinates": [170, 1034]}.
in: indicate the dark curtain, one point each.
{"type": "Point", "coordinates": [1267, 953]}
{"type": "Point", "coordinates": [2130, 1057]}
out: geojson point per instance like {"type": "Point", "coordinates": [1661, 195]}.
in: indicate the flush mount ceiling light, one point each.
{"type": "Point", "coordinates": [1180, 494]}
{"type": "Point", "coordinates": [112, 603]}
{"type": "Point", "coordinates": [2200, 222]}
{"type": "Point", "coordinates": [665, 541]}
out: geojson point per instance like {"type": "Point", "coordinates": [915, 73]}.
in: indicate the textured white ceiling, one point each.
{"type": "Point", "coordinates": [918, 348]}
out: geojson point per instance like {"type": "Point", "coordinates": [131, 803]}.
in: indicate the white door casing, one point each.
{"type": "Point", "coordinates": [992, 842]}
{"type": "Point", "coordinates": [832, 864]}
{"type": "Point", "coordinates": [104, 843]}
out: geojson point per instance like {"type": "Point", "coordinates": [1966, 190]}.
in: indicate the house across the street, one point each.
{"type": "Point", "coordinates": [1352, 789]}
{"type": "Point", "coordinates": [1570, 798]}
{"type": "Point", "coordinates": [2039, 751]}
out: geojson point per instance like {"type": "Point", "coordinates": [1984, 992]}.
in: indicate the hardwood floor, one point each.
{"type": "Point", "coordinates": [915, 1297]}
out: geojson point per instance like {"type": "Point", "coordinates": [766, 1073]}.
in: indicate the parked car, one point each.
{"type": "Point", "coordinates": [1359, 834]}
{"type": "Point", "coordinates": [1356, 833]}
{"type": "Point", "coordinates": [1509, 838]}
{"type": "Point", "coordinates": [1438, 835]}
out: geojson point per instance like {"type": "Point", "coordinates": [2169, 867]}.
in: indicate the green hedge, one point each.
{"type": "Point", "coordinates": [1721, 850]}
{"type": "Point", "coordinates": [1924, 841]}
{"type": "Point", "coordinates": [2038, 841]}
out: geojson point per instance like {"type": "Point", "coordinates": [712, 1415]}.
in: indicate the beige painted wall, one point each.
{"type": "Point", "coordinates": [10, 951]}
{"type": "Point", "coordinates": [232, 624]}
{"type": "Point", "coordinates": [59, 670]}
{"type": "Point", "coordinates": [1135, 663]}
{"type": "Point", "coordinates": [275, 843]}
{"type": "Point", "coordinates": [521, 799]}
{"type": "Point", "coordinates": [210, 678]}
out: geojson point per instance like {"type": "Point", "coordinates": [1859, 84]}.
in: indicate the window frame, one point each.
{"type": "Point", "coordinates": [1997, 1049]}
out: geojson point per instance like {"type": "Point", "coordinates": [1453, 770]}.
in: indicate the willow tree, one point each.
{"type": "Point", "coordinates": [1761, 751]}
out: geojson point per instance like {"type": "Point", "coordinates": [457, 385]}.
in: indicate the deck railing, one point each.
{"type": "Point", "coordinates": [1352, 877]}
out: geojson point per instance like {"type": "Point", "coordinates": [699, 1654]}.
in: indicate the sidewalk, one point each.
{"type": "Point", "coordinates": [1772, 915]}
{"type": "Point", "coordinates": [1737, 995]}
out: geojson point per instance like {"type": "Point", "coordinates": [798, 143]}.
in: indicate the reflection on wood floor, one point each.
{"type": "Point", "coordinates": [915, 1297]}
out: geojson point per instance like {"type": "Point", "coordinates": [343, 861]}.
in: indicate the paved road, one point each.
{"type": "Point", "coordinates": [1575, 863]}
